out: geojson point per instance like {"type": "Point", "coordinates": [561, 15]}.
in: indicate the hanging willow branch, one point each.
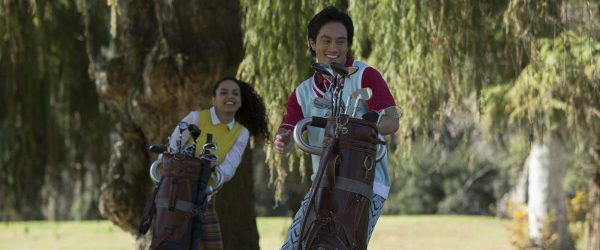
{"type": "Point", "coordinates": [276, 61]}
{"type": "Point", "coordinates": [434, 56]}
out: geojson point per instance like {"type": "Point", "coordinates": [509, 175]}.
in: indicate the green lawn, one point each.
{"type": "Point", "coordinates": [392, 232]}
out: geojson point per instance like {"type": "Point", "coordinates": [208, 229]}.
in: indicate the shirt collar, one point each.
{"type": "Point", "coordinates": [216, 121]}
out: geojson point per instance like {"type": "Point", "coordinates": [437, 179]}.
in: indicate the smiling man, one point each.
{"type": "Point", "coordinates": [330, 34]}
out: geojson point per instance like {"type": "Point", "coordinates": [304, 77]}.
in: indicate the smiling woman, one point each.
{"type": "Point", "coordinates": [237, 112]}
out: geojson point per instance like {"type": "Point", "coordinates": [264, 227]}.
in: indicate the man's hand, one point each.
{"type": "Point", "coordinates": [283, 141]}
{"type": "Point", "coordinates": [388, 125]}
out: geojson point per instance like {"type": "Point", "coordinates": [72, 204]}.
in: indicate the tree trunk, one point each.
{"type": "Point", "coordinates": [592, 230]}
{"type": "Point", "coordinates": [235, 207]}
{"type": "Point", "coordinates": [161, 62]}
{"type": "Point", "coordinates": [548, 225]}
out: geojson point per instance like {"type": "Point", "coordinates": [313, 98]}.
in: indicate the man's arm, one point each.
{"type": "Point", "coordinates": [283, 138]}
{"type": "Point", "coordinates": [381, 99]}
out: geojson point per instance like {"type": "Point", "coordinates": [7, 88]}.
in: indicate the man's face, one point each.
{"type": "Point", "coordinates": [331, 43]}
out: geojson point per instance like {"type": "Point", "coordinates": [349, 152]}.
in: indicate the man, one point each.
{"type": "Point", "coordinates": [330, 34]}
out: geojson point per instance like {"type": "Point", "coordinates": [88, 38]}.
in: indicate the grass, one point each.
{"type": "Point", "coordinates": [392, 232]}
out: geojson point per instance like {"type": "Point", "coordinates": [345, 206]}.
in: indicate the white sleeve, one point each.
{"type": "Point", "coordinates": [191, 118]}
{"type": "Point", "coordinates": [234, 156]}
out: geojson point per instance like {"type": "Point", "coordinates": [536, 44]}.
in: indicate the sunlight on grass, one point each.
{"type": "Point", "coordinates": [392, 232]}
{"type": "Point", "coordinates": [414, 232]}
{"type": "Point", "coordinates": [89, 235]}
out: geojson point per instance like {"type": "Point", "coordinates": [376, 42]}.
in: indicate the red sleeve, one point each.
{"type": "Point", "coordinates": [293, 113]}
{"type": "Point", "coordinates": [382, 98]}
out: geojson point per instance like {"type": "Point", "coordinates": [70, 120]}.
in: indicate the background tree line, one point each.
{"type": "Point", "coordinates": [494, 92]}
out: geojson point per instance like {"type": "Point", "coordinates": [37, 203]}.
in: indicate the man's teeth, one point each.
{"type": "Point", "coordinates": [229, 103]}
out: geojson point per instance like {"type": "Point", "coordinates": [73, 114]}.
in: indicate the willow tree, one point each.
{"type": "Point", "coordinates": [437, 55]}
{"type": "Point", "coordinates": [160, 62]}
{"type": "Point", "coordinates": [52, 130]}
{"type": "Point", "coordinates": [555, 98]}
{"type": "Point", "coordinates": [277, 59]}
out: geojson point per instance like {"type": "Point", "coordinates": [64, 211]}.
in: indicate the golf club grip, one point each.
{"type": "Point", "coordinates": [319, 122]}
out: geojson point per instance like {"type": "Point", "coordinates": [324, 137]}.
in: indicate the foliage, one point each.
{"type": "Point", "coordinates": [463, 174]}
{"type": "Point", "coordinates": [517, 228]}
{"type": "Point", "coordinates": [557, 92]}
{"type": "Point", "coordinates": [53, 130]}
{"type": "Point", "coordinates": [577, 209]}
{"type": "Point", "coordinates": [433, 54]}
{"type": "Point", "coordinates": [276, 60]}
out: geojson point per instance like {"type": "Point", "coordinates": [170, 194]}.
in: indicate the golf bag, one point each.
{"type": "Point", "coordinates": [177, 202]}
{"type": "Point", "coordinates": [337, 215]}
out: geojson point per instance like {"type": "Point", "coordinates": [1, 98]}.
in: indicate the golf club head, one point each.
{"type": "Point", "coordinates": [209, 148]}
{"type": "Point", "coordinates": [361, 94]}
{"type": "Point", "coordinates": [322, 103]}
{"type": "Point", "coordinates": [364, 93]}
{"type": "Point", "coordinates": [157, 148]}
{"type": "Point", "coordinates": [321, 68]}
{"type": "Point", "coordinates": [182, 126]}
{"type": "Point", "coordinates": [209, 157]}
{"type": "Point", "coordinates": [339, 68]}
{"type": "Point", "coordinates": [190, 150]}
{"type": "Point", "coordinates": [194, 131]}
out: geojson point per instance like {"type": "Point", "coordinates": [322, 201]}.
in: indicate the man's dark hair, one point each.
{"type": "Point", "coordinates": [327, 15]}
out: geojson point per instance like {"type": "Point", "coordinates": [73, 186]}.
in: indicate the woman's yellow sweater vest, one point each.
{"type": "Point", "coordinates": [221, 135]}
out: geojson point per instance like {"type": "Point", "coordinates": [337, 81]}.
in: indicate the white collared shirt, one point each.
{"type": "Point", "coordinates": [234, 156]}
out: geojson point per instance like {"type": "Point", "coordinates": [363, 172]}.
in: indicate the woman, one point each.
{"type": "Point", "coordinates": [236, 113]}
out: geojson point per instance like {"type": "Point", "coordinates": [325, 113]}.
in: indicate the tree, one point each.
{"type": "Point", "coordinates": [52, 129]}
{"type": "Point", "coordinates": [556, 95]}
{"type": "Point", "coordinates": [436, 55]}
{"type": "Point", "coordinates": [277, 59]}
{"type": "Point", "coordinates": [161, 62]}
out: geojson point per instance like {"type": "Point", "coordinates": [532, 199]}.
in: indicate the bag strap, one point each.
{"type": "Point", "coordinates": [328, 158]}
{"type": "Point", "coordinates": [149, 211]}
{"type": "Point", "coordinates": [352, 186]}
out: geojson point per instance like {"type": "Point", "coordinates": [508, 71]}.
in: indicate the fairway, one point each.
{"type": "Point", "coordinates": [392, 232]}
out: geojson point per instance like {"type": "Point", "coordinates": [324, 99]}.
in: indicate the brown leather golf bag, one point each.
{"type": "Point", "coordinates": [338, 212]}
{"type": "Point", "coordinates": [177, 202]}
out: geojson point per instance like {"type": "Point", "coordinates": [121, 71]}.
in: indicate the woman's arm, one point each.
{"type": "Point", "coordinates": [234, 156]}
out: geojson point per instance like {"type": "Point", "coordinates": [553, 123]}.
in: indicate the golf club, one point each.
{"type": "Point", "coordinates": [364, 94]}
{"type": "Point", "coordinates": [339, 68]}
{"type": "Point", "coordinates": [322, 68]}
{"type": "Point", "coordinates": [157, 148]}
{"type": "Point", "coordinates": [208, 148]}
{"type": "Point", "coordinates": [195, 133]}
{"type": "Point", "coordinates": [182, 127]}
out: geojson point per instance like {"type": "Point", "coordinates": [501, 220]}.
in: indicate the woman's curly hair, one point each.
{"type": "Point", "coordinates": [252, 113]}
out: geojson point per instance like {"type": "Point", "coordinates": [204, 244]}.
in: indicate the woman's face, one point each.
{"type": "Point", "coordinates": [331, 43]}
{"type": "Point", "coordinates": [228, 97]}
